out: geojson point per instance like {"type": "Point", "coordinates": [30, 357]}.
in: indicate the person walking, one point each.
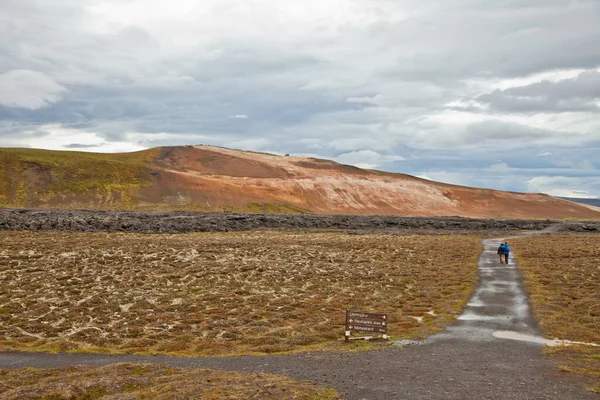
{"type": "Point", "coordinates": [501, 253]}
{"type": "Point", "coordinates": [506, 252]}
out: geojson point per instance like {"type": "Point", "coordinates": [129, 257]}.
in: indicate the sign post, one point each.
{"type": "Point", "coordinates": [365, 322]}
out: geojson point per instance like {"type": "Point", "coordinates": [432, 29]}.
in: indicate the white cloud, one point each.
{"type": "Point", "coordinates": [55, 137]}
{"type": "Point", "coordinates": [366, 159]}
{"type": "Point", "coordinates": [550, 76]}
{"type": "Point", "coordinates": [366, 100]}
{"type": "Point", "coordinates": [575, 164]}
{"type": "Point", "coordinates": [32, 90]}
{"type": "Point", "coordinates": [249, 144]}
{"type": "Point", "coordinates": [499, 167]}
{"type": "Point", "coordinates": [453, 178]}
{"type": "Point", "coordinates": [565, 186]}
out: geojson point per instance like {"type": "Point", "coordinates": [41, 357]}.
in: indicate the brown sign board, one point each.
{"type": "Point", "coordinates": [365, 322]}
{"type": "Point", "coordinates": [363, 315]}
{"type": "Point", "coordinates": [374, 329]}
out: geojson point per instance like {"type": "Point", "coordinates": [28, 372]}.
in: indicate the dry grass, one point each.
{"type": "Point", "coordinates": [126, 381]}
{"type": "Point", "coordinates": [223, 293]}
{"type": "Point", "coordinates": [563, 277]}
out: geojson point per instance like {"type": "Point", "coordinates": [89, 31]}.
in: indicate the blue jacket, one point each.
{"type": "Point", "coordinates": [506, 248]}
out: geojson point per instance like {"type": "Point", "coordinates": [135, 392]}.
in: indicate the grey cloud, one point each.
{"type": "Point", "coordinates": [522, 181]}
{"type": "Point", "coordinates": [504, 132]}
{"type": "Point", "coordinates": [476, 39]}
{"type": "Point", "coordinates": [586, 85]}
{"type": "Point", "coordinates": [125, 82]}
{"type": "Point", "coordinates": [57, 38]}
{"type": "Point", "coordinates": [578, 94]}
{"type": "Point", "coordinates": [81, 146]}
{"type": "Point", "coordinates": [565, 186]}
{"type": "Point", "coordinates": [482, 174]}
{"type": "Point", "coordinates": [490, 133]}
{"type": "Point", "coordinates": [32, 90]}
{"type": "Point", "coordinates": [233, 61]}
{"type": "Point", "coordinates": [13, 134]}
{"type": "Point", "coordinates": [15, 130]}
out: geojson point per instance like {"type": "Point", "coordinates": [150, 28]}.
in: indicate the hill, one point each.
{"type": "Point", "coordinates": [207, 178]}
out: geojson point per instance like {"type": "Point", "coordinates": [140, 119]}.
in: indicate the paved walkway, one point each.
{"type": "Point", "coordinates": [477, 357]}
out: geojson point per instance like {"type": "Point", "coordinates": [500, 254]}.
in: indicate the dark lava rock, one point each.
{"type": "Point", "coordinates": [178, 221]}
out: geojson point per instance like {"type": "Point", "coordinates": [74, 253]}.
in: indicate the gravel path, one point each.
{"type": "Point", "coordinates": [473, 359]}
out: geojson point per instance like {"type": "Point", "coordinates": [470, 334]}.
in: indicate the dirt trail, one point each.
{"type": "Point", "coordinates": [473, 359]}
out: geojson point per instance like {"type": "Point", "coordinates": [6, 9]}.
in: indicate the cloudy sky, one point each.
{"type": "Point", "coordinates": [489, 93]}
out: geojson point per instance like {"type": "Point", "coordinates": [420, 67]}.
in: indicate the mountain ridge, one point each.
{"type": "Point", "coordinates": [209, 178]}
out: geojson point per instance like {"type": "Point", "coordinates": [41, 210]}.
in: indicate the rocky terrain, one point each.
{"type": "Point", "coordinates": [181, 222]}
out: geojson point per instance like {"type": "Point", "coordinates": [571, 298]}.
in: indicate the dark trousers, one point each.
{"type": "Point", "coordinates": [506, 258]}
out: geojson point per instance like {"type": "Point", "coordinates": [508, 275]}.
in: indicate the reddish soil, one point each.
{"type": "Point", "coordinates": [212, 177]}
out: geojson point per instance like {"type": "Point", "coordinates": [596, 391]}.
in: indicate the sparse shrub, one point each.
{"type": "Point", "coordinates": [232, 293]}
{"type": "Point", "coordinates": [273, 348]}
{"type": "Point", "coordinates": [125, 381]}
{"type": "Point", "coordinates": [93, 393]}
{"type": "Point", "coordinates": [231, 335]}
{"type": "Point", "coordinates": [303, 340]}
{"type": "Point", "coordinates": [133, 332]}
{"type": "Point", "coordinates": [174, 346]}
{"type": "Point", "coordinates": [565, 295]}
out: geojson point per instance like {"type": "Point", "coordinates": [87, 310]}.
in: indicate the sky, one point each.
{"type": "Point", "coordinates": [503, 94]}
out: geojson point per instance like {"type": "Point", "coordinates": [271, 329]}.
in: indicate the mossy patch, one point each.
{"type": "Point", "coordinates": [44, 178]}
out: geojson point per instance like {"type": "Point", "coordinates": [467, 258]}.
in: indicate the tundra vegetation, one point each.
{"type": "Point", "coordinates": [562, 274]}
{"type": "Point", "coordinates": [126, 381]}
{"type": "Point", "coordinates": [35, 177]}
{"type": "Point", "coordinates": [223, 293]}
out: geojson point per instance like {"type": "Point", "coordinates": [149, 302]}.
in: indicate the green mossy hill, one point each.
{"type": "Point", "coordinates": [48, 179]}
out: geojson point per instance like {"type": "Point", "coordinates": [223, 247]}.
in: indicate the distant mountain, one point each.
{"type": "Point", "coordinates": [591, 202]}
{"type": "Point", "coordinates": [206, 178]}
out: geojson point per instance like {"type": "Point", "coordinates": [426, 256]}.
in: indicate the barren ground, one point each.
{"type": "Point", "coordinates": [563, 277]}
{"type": "Point", "coordinates": [112, 273]}
{"type": "Point", "coordinates": [472, 358]}
{"type": "Point", "coordinates": [223, 293]}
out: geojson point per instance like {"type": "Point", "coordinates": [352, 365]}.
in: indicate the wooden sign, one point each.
{"type": "Point", "coordinates": [365, 322]}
